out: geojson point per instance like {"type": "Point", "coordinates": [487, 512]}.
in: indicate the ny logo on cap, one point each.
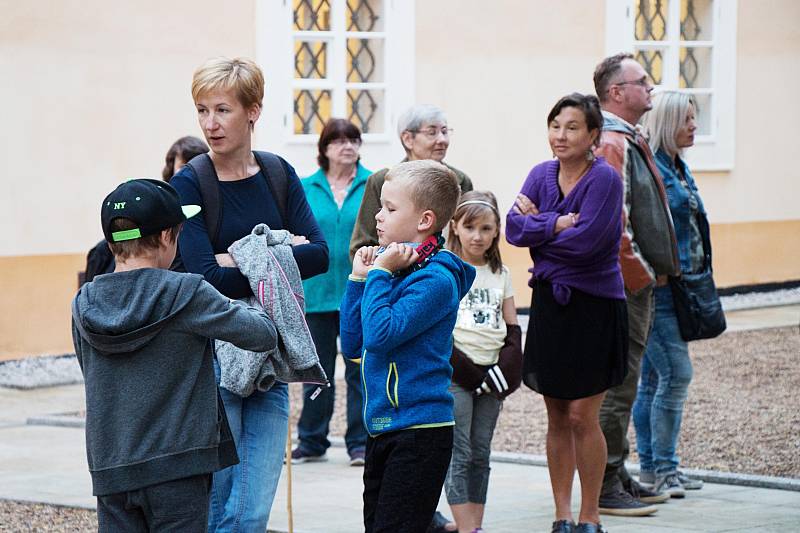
{"type": "Point", "coordinates": [119, 205]}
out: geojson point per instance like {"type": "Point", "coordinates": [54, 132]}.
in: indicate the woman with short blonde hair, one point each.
{"type": "Point", "coordinates": [666, 367]}
{"type": "Point", "coordinates": [227, 94]}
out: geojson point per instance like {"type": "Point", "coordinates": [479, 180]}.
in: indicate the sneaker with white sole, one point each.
{"type": "Point", "coordinates": [644, 494]}
{"type": "Point", "coordinates": [670, 484]}
{"type": "Point", "coordinates": [689, 483]}
{"type": "Point", "coordinates": [621, 503]}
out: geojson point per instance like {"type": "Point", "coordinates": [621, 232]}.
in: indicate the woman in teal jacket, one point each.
{"type": "Point", "coordinates": [334, 193]}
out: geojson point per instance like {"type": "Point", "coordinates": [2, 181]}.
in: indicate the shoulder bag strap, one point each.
{"type": "Point", "coordinates": [277, 180]}
{"type": "Point", "coordinates": [209, 191]}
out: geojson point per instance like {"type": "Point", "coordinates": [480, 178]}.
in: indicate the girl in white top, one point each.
{"type": "Point", "coordinates": [487, 356]}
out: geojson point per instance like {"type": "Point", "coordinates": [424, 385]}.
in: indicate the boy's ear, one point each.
{"type": "Point", "coordinates": [426, 221]}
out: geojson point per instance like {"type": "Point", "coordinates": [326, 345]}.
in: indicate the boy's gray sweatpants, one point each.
{"type": "Point", "coordinates": [476, 417]}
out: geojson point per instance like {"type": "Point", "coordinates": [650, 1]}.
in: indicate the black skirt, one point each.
{"type": "Point", "coordinates": [576, 350]}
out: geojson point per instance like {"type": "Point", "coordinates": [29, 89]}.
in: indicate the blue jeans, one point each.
{"type": "Point", "coordinates": [666, 374]}
{"type": "Point", "coordinates": [312, 428]}
{"type": "Point", "coordinates": [241, 495]}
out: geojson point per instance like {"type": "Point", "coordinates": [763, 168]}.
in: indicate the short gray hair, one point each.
{"type": "Point", "coordinates": [661, 124]}
{"type": "Point", "coordinates": [418, 115]}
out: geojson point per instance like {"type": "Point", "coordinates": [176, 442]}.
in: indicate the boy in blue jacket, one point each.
{"type": "Point", "coordinates": [397, 318]}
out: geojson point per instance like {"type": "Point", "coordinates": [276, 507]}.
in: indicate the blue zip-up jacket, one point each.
{"type": "Point", "coordinates": [678, 198]}
{"type": "Point", "coordinates": [324, 292]}
{"type": "Point", "coordinates": [402, 330]}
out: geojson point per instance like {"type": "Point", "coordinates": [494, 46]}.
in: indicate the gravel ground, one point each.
{"type": "Point", "coordinates": [40, 372]}
{"type": "Point", "coordinates": [18, 517]}
{"type": "Point", "coordinates": [749, 300]}
{"type": "Point", "coordinates": [741, 414]}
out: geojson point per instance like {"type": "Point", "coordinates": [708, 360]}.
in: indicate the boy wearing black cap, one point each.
{"type": "Point", "coordinates": [155, 427]}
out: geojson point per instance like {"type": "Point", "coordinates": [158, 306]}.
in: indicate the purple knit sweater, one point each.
{"type": "Point", "coordinates": [586, 256]}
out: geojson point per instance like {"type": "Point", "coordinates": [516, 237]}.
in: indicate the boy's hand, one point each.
{"type": "Point", "coordinates": [397, 257]}
{"type": "Point", "coordinates": [364, 258]}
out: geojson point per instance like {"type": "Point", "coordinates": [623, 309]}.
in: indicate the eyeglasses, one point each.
{"type": "Point", "coordinates": [434, 132]}
{"type": "Point", "coordinates": [341, 141]}
{"type": "Point", "coordinates": [644, 82]}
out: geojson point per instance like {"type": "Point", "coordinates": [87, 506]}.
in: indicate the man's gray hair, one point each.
{"type": "Point", "coordinates": [661, 124]}
{"type": "Point", "coordinates": [418, 115]}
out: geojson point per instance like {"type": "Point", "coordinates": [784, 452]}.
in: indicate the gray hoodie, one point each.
{"type": "Point", "coordinates": [153, 413]}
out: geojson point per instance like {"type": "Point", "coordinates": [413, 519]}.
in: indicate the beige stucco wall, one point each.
{"type": "Point", "coordinates": [765, 182]}
{"type": "Point", "coordinates": [95, 92]}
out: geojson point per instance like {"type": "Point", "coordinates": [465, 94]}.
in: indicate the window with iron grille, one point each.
{"type": "Point", "coordinates": [689, 46]}
{"type": "Point", "coordinates": [339, 64]}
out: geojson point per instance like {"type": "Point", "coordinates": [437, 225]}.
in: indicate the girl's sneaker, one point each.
{"type": "Point", "coordinates": [670, 484]}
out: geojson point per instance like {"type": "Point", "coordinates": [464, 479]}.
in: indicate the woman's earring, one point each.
{"type": "Point", "coordinates": [589, 155]}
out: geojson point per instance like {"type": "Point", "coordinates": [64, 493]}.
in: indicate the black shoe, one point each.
{"type": "Point", "coordinates": [438, 524]}
{"type": "Point", "coordinates": [621, 503]}
{"type": "Point", "coordinates": [642, 493]}
{"type": "Point", "coordinates": [563, 526]}
{"type": "Point", "coordinates": [588, 527]}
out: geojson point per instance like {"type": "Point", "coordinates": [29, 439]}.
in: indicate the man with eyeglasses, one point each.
{"type": "Point", "coordinates": [648, 254]}
{"type": "Point", "coordinates": [424, 134]}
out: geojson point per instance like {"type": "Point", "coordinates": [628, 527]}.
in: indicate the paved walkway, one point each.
{"type": "Point", "coordinates": [45, 463]}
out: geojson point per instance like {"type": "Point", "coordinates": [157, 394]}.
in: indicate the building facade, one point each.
{"type": "Point", "coordinates": [97, 92]}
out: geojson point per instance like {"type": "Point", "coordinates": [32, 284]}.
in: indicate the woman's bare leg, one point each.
{"type": "Point", "coordinates": [590, 453]}
{"type": "Point", "coordinates": [560, 455]}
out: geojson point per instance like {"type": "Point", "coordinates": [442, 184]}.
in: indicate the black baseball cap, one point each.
{"type": "Point", "coordinates": [152, 205]}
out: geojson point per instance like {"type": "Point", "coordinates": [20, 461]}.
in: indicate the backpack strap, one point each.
{"type": "Point", "coordinates": [209, 191]}
{"type": "Point", "coordinates": [277, 181]}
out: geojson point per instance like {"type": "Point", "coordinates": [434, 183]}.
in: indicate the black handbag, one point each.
{"type": "Point", "coordinates": [697, 304]}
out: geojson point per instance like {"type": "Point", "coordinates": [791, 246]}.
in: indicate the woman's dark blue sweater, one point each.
{"type": "Point", "coordinates": [246, 203]}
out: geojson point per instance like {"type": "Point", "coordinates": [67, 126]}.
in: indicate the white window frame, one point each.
{"type": "Point", "coordinates": [715, 151]}
{"type": "Point", "coordinates": [275, 37]}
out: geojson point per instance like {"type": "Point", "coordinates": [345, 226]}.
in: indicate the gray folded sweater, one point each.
{"type": "Point", "coordinates": [265, 258]}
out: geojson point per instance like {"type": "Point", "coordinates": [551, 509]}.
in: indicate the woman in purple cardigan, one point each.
{"type": "Point", "coordinates": [569, 215]}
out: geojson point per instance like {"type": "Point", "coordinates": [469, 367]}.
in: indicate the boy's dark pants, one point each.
{"type": "Point", "coordinates": [175, 506]}
{"type": "Point", "coordinates": [403, 478]}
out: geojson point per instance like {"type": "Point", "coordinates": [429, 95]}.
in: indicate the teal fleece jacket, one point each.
{"type": "Point", "coordinates": [324, 292]}
{"type": "Point", "coordinates": [401, 328]}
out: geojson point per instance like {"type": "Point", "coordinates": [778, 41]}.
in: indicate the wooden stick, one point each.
{"type": "Point", "coordinates": [289, 476]}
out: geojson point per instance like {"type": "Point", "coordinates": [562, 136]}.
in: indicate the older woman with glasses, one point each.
{"type": "Point", "coordinates": [334, 193]}
{"type": "Point", "coordinates": [424, 133]}
{"type": "Point", "coordinates": [666, 366]}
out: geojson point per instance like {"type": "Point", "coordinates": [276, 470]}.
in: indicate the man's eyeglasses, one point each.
{"type": "Point", "coordinates": [432, 133]}
{"type": "Point", "coordinates": [643, 82]}
{"type": "Point", "coordinates": [341, 141]}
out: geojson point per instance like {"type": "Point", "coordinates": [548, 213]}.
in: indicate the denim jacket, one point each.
{"type": "Point", "coordinates": [678, 198]}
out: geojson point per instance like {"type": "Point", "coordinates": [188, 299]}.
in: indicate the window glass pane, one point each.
{"type": "Point", "coordinates": [696, 20]}
{"type": "Point", "coordinates": [651, 20]}
{"type": "Point", "coordinates": [364, 15]}
{"type": "Point", "coordinates": [365, 109]}
{"type": "Point", "coordinates": [312, 15]}
{"type": "Point", "coordinates": [364, 60]}
{"type": "Point", "coordinates": [312, 108]}
{"type": "Point", "coordinates": [310, 59]}
{"type": "Point", "coordinates": [695, 68]}
{"type": "Point", "coordinates": [653, 63]}
{"type": "Point", "coordinates": [703, 113]}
